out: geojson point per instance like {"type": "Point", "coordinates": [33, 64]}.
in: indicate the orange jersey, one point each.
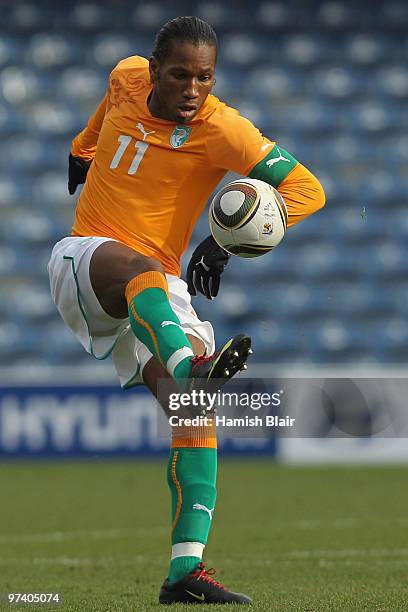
{"type": "Point", "coordinates": [150, 179]}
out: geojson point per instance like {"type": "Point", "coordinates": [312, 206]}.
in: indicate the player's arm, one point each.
{"type": "Point", "coordinates": [234, 143]}
{"type": "Point", "coordinates": [83, 148]}
{"type": "Point", "coordinates": [300, 189]}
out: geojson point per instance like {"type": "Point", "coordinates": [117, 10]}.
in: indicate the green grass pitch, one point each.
{"type": "Point", "coordinates": [295, 539]}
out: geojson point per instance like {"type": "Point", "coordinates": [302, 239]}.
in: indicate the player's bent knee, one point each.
{"type": "Point", "coordinates": [114, 262]}
{"type": "Point", "coordinates": [140, 264]}
{"type": "Point", "coordinates": [113, 265]}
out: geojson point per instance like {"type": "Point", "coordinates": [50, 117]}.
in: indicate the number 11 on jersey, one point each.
{"type": "Point", "coordinates": [124, 141]}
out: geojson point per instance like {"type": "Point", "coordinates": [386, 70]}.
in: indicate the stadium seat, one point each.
{"type": "Point", "coordinates": [347, 148]}
{"type": "Point", "coordinates": [150, 15]}
{"type": "Point", "coordinates": [305, 49]}
{"type": "Point", "coordinates": [16, 342]}
{"type": "Point", "coordinates": [67, 350]}
{"type": "Point", "coordinates": [351, 226]}
{"type": "Point", "coordinates": [27, 152]}
{"type": "Point", "coordinates": [221, 16]}
{"type": "Point", "coordinates": [275, 83]}
{"type": "Point", "coordinates": [393, 14]}
{"type": "Point", "coordinates": [278, 265]}
{"type": "Point", "coordinates": [49, 51]}
{"type": "Point", "coordinates": [234, 301]}
{"type": "Point", "coordinates": [25, 227]}
{"type": "Point", "coordinates": [230, 82]}
{"type": "Point", "coordinates": [370, 117]}
{"type": "Point", "coordinates": [387, 338]}
{"type": "Point", "coordinates": [394, 149]}
{"type": "Point", "coordinates": [357, 301]}
{"type": "Point", "coordinates": [29, 301]}
{"type": "Point", "coordinates": [90, 16]}
{"type": "Point", "coordinates": [13, 192]}
{"type": "Point", "coordinates": [80, 84]}
{"type": "Point", "coordinates": [272, 342]}
{"type": "Point", "coordinates": [367, 49]}
{"type": "Point", "coordinates": [336, 15]}
{"type": "Point", "coordinates": [257, 113]}
{"type": "Point", "coordinates": [311, 117]}
{"type": "Point", "coordinates": [53, 117]}
{"type": "Point", "coordinates": [10, 50]}
{"type": "Point", "coordinates": [27, 16]}
{"type": "Point", "coordinates": [240, 49]}
{"type": "Point", "coordinates": [398, 224]}
{"type": "Point", "coordinates": [332, 341]}
{"type": "Point", "coordinates": [22, 85]}
{"type": "Point", "coordinates": [51, 189]}
{"type": "Point", "coordinates": [11, 120]}
{"type": "Point", "coordinates": [384, 186]}
{"type": "Point", "coordinates": [337, 82]}
{"type": "Point", "coordinates": [392, 80]}
{"type": "Point", "coordinates": [275, 15]}
{"type": "Point", "coordinates": [109, 49]}
{"type": "Point", "coordinates": [27, 261]}
{"type": "Point", "coordinates": [388, 261]}
{"type": "Point", "coordinates": [9, 261]}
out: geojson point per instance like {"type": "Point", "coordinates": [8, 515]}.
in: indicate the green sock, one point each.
{"type": "Point", "coordinates": [181, 566]}
{"type": "Point", "coordinates": [154, 323]}
{"type": "Point", "coordinates": [192, 476]}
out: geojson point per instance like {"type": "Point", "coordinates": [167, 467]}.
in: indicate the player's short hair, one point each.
{"type": "Point", "coordinates": [186, 29]}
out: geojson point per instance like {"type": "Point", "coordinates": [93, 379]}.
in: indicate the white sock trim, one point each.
{"type": "Point", "coordinates": [177, 357]}
{"type": "Point", "coordinates": [187, 549]}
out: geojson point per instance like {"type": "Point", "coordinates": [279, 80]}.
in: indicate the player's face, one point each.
{"type": "Point", "coordinates": [182, 81]}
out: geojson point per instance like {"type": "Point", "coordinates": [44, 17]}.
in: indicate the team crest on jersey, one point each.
{"type": "Point", "coordinates": [179, 136]}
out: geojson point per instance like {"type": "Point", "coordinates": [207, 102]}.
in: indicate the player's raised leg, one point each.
{"type": "Point", "coordinates": [127, 283]}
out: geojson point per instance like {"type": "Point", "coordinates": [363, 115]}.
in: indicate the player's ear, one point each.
{"type": "Point", "coordinates": [153, 69]}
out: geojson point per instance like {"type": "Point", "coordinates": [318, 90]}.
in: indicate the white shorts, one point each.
{"type": "Point", "coordinates": [100, 334]}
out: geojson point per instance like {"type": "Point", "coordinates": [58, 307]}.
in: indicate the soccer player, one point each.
{"type": "Point", "coordinates": [151, 155]}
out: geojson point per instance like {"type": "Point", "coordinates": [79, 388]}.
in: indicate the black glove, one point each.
{"type": "Point", "coordinates": [206, 265]}
{"type": "Point", "coordinates": [77, 171]}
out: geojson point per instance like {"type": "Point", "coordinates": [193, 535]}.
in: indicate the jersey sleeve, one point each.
{"type": "Point", "coordinates": [303, 194]}
{"type": "Point", "coordinates": [84, 144]}
{"type": "Point", "coordinates": [233, 142]}
{"type": "Point", "coordinates": [301, 190]}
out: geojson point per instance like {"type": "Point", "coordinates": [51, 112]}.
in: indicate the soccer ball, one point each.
{"type": "Point", "coordinates": [248, 217]}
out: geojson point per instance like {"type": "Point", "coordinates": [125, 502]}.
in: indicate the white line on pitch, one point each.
{"type": "Point", "coordinates": [78, 561]}
{"type": "Point", "coordinates": [348, 552]}
{"type": "Point", "coordinates": [339, 523]}
{"type": "Point", "coordinates": [95, 534]}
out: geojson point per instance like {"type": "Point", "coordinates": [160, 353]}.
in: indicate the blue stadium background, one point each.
{"type": "Point", "coordinates": [328, 80]}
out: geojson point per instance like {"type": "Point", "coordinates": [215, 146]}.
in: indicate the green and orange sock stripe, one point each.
{"type": "Point", "coordinates": [154, 323]}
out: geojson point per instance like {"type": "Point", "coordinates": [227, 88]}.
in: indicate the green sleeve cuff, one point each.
{"type": "Point", "coordinates": [275, 167]}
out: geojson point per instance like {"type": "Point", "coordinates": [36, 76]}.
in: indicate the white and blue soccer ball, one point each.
{"type": "Point", "coordinates": [248, 217]}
